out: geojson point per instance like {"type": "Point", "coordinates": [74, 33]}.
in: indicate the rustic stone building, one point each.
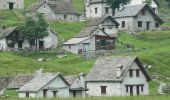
{"type": "Point", "coordinates": [11, 4]}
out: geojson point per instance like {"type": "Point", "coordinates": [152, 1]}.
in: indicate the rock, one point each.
{"type": "Point", "coordinates": [40, 59]}
{"type": "Point", "coordinates": [61, 56]}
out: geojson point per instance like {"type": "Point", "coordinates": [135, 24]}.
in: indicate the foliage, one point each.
{"type": "Point", "coordinates": [115, 3]}
{"type": "Point", "coordinates": [34, 28]}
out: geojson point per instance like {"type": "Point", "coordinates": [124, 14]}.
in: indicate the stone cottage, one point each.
{"type": "Point", "coordinates": [11, 39]}
{"type": "Point", "coordinates": [60, 10]}
{"type": "Point", "coordinates": [11, 4]}
{"type": "Point", "coordinates": [45, 85]}
{"type": "Point", "coordinates": [97, 36]}
{"type": "Point", "coordinates": [97, 8]}
{"type": "Point", "coordinates": [117, 76]}
{"type": "Point", "coordinates": [137, 18]}
{"type": "Point", "coordinates": [77, 85]}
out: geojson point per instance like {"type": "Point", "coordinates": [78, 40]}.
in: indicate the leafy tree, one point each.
{"type": "Point", "coordinates": [34, 28]}
{"type": "Point", "coordinates": [115, 3]}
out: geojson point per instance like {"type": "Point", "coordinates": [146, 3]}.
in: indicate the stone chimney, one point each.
{"type": "Point", "coordinates": [119, 71]}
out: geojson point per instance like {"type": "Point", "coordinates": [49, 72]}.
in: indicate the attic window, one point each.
{"type": "Point", "coordinates": [137, 72]}
{"type": "Point", "coordinates": [143, 12]}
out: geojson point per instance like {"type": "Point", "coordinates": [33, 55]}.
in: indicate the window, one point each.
{"type": "Point", "coordinates": [103, 89]}
{"type": "Point", "coordinates": [137, 72]}
{"type": "Point", "coordinates": [106, 10]}
{"type": "Point", "coordinates": [55, 94]}
{"type": "Point", "coordinates": [69, 46]}
{"type": "Point", "coordinates": [103, 29]}
{"type": "Point", "coordinates": [27, 95]}
{"type": "Point", "coordinates": [123, 24]}
{"type": "Point", "coordinates": [130, 73]}
{"type": "Point", "coordinates": [65, 16]}
{"type": "Point", "coordinates": [127, 89]}
{"type": "Point", "coordinates": [142, 88]}
{"type": "Point", "coordinates": [139, 23]}
{"type": "Point", "coordinates": [143, 12]}
{"type": "Point", "coordinates": [156, 25]}
{"type": "Point", "coordinates": [95, 10]}
{"type": "Point", "coordinates": [102, 42]}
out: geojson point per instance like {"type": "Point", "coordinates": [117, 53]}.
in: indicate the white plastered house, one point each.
{"type": "Point", "coordinates": [117, 76]}
{"type": "Point", "coordinates": [99, 35]}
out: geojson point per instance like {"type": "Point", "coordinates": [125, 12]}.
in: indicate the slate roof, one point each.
{"type": "Point", "coordinates": [70, 79]}
{"type": "Point", "coordinates": [58, 7]}
{"type": "Point", "coordinates": [133, 10]}
{"type": "Point", "coordinates": [105, 68]}
{"type": "Point", "coordinates": [86, 32]}
{"type": "Point", "coordinates": [97, 21]}
{"type": "Point", "coordinates": [19, 81]}
{"type": "Point", "coordinates": [39, 82]}
{"type": "Point", "coordinates": [75, 40]}
{"type": "Point", "coordinates": [6, 32]}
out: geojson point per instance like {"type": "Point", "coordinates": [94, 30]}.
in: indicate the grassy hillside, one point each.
{"type": "Point", "coordinates": [12, 62]}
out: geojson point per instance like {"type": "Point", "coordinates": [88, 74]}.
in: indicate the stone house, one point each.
{"type": "Point", "coordinates": [45, 85]}
{"type": "Point", "coordinates": [95, 37]}
{"type": "Point", "coordinates": [77, 85]}
{"type": "Point", "coordinates": [136, 18]}
{"type": "Point", "coordinates": [11, 39]}
{"type": "Point", "coordinates": [60, 10]}
{"type": "Point", "coordinates": [117, 76]}
{"type": "Point", "coordinates": [97, 8]}
{"type": "Point", "coordinates": [11, 4]}
{"type": "Point", "coordinates": [153, 5]}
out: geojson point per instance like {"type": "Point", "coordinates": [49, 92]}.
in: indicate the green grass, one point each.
{"type": "Point", "coordinates": [68, 30]}
{"type": "Point", "coordinates": [156, 53]}
{"type": "Point", "coordinates": [102, 98]}
{"type": "Point", "coordinates": [79, 5]}
{"type": "Point", "coordinates": [10, 63]}
{"type": "Point", "coordinates": [28, 3]}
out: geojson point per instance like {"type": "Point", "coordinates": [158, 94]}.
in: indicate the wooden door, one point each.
{"type": "Point", "coordinates": [148, 25]}
{"type": "Point", "coordinates": [11, 5]}
{"type": "Point", "coordinates": [131, 90]}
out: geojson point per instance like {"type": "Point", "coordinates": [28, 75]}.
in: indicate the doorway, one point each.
{"type": "Point", "coordinates": [137, 90]}
{"type": "Point", "coordinates": [41, 45]}
{"type": "Point", "coordinates": [11, 5]}
{"type": "Point", "coordinates": [86, 47]}
{"type": "Point", "coordinates": [131, 90]}
{"type": "Point", "coordinates": [19, 44]}
{"type": "Point", "coordinates": [74, 94]}
{"type": "Point", "coordinates": [148, 25]}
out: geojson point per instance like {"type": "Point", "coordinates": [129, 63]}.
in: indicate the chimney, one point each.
{"type": "Point", "coordinates": [82, 79]}
{"type": "Point", "coordinates": [119, 71]}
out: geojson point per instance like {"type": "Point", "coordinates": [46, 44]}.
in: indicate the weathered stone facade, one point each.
{"type": "Point", "coordinates": [11, 4]}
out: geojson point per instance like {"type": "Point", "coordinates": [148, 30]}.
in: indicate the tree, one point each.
{"type": "Point", "coordinates": [34, 28]}
{"type": "Point", "coordinates": [115, 3]}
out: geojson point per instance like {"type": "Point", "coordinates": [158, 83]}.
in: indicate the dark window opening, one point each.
{"type": "Point", "coordinates": [156, 25]}
{"type": "Point", "coordinates": [139, 23]}
{"type": "Point", "coordinates": [143, 12]}
{"type": "Point", "coordinates": [102, 42]}
{"type": "Point", "coordinates": [27, 95]}
{"type": "Point", "coordinates": [106, 10]}
{"type": "Point", "coordinates": [130, 73]}
{"type": "Point", "coordinates": [123, 24]}
{"type": "Point", "coordinates": [55, 94]}
{"type": "Point", "coordinates": [69, 46]}
{"type": "Point", "coordinates": [103, 29]}
{"type": "Point", "coordinates": [127, 89]}
{"type": "Point", "coordinates": [95, 10]}
{"type": "Point", "coordinates": [103, 89]}
{"type": "Point", "coordinates": [142, 88]}
{"type": "Point", "coordinates": [45, 93]}
{"type": "Point", "coordinates": [11, 5]}
{"type": "Point", "coordinates": [137, 72]}
{"type": "Point", "coordinates": [65, 17]}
